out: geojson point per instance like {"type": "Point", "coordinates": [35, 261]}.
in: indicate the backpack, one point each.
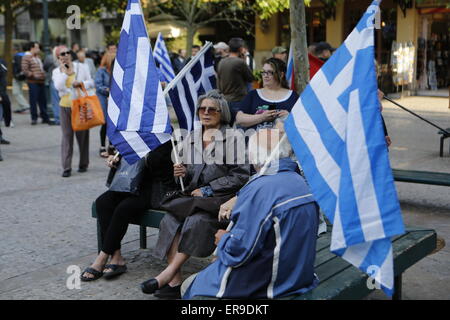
{"type": "Point", "coordinates": [17, 68]}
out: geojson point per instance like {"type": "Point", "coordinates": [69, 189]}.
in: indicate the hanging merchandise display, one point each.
{"type": "Point", "coordinates": [402, 63]}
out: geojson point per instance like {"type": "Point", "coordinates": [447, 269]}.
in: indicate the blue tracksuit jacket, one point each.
{"type": "Point", "coordinates": [270, 250]}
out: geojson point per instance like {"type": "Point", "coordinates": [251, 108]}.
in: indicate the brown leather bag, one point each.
{"type": "Point", "coordinates": [182, 206]}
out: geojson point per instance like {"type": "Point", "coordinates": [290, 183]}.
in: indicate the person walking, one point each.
{"type": "Point", "coordinates": [81, 55]}
{"type": "Point", "coordinates": [233, 75]}
{"type": "Point", "coordinates": [18, 82]}
{"type": "Point", "coordinates": [5, 104]}
{"type": "Point", "coordinates": [102, 84]}
{"type": "Point", "coordinates": [33, 69]}
{"type": "Point", "coordinates": [69, 76]}
{"type": "Point", "coordinates": [50, 63]}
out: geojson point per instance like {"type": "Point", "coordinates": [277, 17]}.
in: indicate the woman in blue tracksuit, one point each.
{"type": "Point", "coordinates": [102, 85]}
{"type": "Point", "coordinates": [270, 250]}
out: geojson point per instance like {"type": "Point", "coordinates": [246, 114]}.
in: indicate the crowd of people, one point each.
{"type": "Point", "coordinates": [259, 218]}
{"type": "Point", "coordinates": [55, 79]}
{"type": "Point", "coordinates": [244, 213]}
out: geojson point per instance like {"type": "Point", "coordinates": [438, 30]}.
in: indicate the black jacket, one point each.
{"type": "Point", "coordinates": [3, 74]}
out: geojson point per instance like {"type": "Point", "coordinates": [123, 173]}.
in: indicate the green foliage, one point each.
{"type": "Point", "coordinates": [438, 2]}
{"type": "Point", "coordinates": [266, 8]}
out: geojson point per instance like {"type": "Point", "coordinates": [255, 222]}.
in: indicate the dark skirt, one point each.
{"type": "Point", "coordinates": [196, 234]}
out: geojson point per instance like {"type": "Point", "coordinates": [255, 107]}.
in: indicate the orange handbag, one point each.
{"type": "Point", "coordinates": [86, 111]}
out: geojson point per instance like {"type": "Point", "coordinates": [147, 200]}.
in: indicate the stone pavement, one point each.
{"type": "Point", "coordinates": [45, 223]}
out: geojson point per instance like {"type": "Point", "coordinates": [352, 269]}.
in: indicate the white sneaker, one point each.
{"type": "Point", "coordinates": [11, 124]}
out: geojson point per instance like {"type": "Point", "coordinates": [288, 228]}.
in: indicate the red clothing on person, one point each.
{"type": "Point", "coordinates": [314, 65]}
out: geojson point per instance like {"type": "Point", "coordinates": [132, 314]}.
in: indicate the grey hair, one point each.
{"type": "Point", "coordinates": [260, 152]}
{"type": "Point", "coordinates": [222, 104]}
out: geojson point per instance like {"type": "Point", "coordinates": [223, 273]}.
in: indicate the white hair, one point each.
{"type": "Point", "coordinates": [259, 150]}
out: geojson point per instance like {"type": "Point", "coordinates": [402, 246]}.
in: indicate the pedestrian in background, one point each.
{"type": "Point", "coordinates": [50, 63]}
{"type": "Point", "coordinates": [18, 81]}
{"type": "Point", "coordinates": [5, 104]}
{"type": "Point", "coordinates": [280, 53]}
{"type": "Point", "coordinates": [67, 78]}
{"type": "Point", "coordinates": [102, 84]}
{"type": "Point", "coordinates": [87, 61]}
{"type": "Point", "coordinates": [233, 74]}
{"type": "Point", "coordinates": [33, 68]}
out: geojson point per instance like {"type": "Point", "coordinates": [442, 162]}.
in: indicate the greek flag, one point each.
{"type": "Point", "coordinates": [336, 131]}
{"type": "Point", "coordinates": [290, 69]}
{"type": "Point", "coordinates": [162, 58]}
{"type": "Point", "coordinates": [138, 119]}
{"type": "Point", "coordinates": [199, 79]}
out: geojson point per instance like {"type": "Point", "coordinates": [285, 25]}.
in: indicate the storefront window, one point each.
{"type": "Point", "coordinates": [433, 66]}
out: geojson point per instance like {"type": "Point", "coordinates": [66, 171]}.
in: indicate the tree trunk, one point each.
{"type": "Point", "coordinates": [191, 30]}
{"type": "Point", "coordinates": [9, 23]}
{"type": "Point", "coordinates": [298, 41]}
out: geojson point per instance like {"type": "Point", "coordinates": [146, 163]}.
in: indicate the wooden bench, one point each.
{"type": "Point", "coordinates": [444, 135]}
{"type": "Point", "coordinates": [424, 177]}
{"type": "Point", "coordinates": [341, 280]}
{"type": "Point", "coordinates": [338, 279]}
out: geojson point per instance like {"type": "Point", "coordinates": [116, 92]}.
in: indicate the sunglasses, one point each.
{"type": "Point", "coordinates": [210, 110]}
{"type": "Point", "coordinates": [267, 73]}
{"type": "Point", "coordinates": [63, 54]}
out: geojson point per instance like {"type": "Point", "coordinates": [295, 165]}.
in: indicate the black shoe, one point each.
{"type": "Point", "coordinates": [49, 122]}
{"type": "Point", "coordinates": [66, 173]}
{"type": "Point", "coordinates": [149, 286]}
{"type": "Point", "coordinates": [168, 292]}
{"type": "Point", "coordinates": [1, 159]}
{"type": "Point", "coordinates": [3, 141]}
{"type": "Point", "coordinates": [33, 122]}
{"type": "Point", "coordinates": [81, 170]}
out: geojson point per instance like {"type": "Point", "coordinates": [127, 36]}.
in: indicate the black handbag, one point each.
{"type": "Point", "coordinates": [127, 178]}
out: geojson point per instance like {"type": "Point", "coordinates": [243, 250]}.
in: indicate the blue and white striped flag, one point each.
{"type": "Point", "coordinates": [162, 57]}
{"type": "Point", "coordinates": [336, 131]}
{"type": "Point", "coordinates": [290, 69]}
{"type": "Point", "coordinates": [138, 118]}
{"type": "Point", "coordinates": [199, 79]}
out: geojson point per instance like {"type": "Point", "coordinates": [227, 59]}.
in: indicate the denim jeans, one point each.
{"type": "Point", "coordinates": [37, 97]}
{"type": "Point", "coordinates": [55, 101]}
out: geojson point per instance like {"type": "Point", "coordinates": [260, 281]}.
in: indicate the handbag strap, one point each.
{"type": "Point", "coordinates": [83, 89]}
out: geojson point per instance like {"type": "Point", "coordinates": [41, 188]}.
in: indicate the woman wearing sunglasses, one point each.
{"type": "Point", "coordinates": [206, 173]}
{"type": "Point", "coordinates": [261, 107]}
{"type": "Point", "coordinates": [69, 76]}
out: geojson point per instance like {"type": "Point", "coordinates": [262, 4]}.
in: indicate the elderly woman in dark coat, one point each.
{"type": "Point", "coordinates": [213, 176]}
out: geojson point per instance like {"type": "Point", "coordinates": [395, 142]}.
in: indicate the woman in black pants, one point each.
{"type": "Point", "coordinates": [115, 209]}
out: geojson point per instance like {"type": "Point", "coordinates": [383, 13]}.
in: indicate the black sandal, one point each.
{"type": "Point", "coordinates": [103, 152]}
{"type": "Point", "coordinates": [117, 270]}
{"type": "Point", "coordinates": [95, 273]}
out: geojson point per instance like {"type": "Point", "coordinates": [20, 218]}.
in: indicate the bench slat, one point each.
{"type": "Point", "coordinates": [424, 177]}
{"type": "Point", "coordinates": [350, 283]}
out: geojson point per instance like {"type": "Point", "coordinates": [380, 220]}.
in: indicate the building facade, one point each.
{"type": "Point", "coordinates": [412, 45]}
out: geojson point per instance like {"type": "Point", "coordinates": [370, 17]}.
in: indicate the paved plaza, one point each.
{"type": "Point", "coordinates": [46, 225]}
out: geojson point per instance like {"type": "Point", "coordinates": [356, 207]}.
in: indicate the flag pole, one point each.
{"type": "Point", "coordinates": [415, 114]}
{"type": "Point", "coordinates": [187, 67]}
{"type": "Point", "coordinates": [272, 155]}
{"type": "Point", "coordinates": [177, 160]}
